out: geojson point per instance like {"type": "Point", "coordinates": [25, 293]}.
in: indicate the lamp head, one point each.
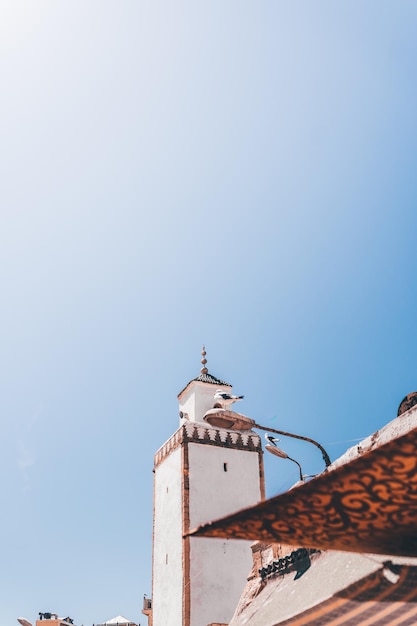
{"type": "Point", "coordinates": [222, 418]}
{"type": "Point", "coordinates": [276, 451]}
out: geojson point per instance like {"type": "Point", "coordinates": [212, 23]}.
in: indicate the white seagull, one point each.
{"type": "Point", "coordinates": [224, 398]}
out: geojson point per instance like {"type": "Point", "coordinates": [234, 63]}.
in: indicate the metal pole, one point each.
{"type": "Point", "coordinates": [299, 467]}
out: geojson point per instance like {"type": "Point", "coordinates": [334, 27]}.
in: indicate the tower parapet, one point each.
{"type": "Point", "coordinates": [205, 434]}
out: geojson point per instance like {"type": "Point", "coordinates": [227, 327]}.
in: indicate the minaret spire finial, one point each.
{"type": "Point", "coordinates": [204, 369]}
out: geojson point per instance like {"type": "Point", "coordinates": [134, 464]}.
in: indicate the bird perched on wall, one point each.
{"type": "Point", "coordinates": [224, 399]}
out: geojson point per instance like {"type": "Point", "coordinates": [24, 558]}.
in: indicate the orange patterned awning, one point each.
{"type": "Point", "coordinates": [366, 505]}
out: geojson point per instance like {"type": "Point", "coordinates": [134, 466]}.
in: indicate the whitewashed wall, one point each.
{"type": "Point", "coordinates": [219, 568]}
{"type": "Point", "coordinates": [167, 547]}
{"type": "Point", "coordinates": [198, 399]}
{"type": "Point", "coordinates": [219, 571]}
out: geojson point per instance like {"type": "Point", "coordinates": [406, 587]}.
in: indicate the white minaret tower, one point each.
{"type": "Point", "coordinates": [201, 473]}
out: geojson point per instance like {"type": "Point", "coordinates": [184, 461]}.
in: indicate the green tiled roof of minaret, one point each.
{"type": "Point", "coordinates": [208, 378]}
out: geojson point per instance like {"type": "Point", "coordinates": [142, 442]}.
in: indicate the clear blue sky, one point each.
{"type": "Point", "coordinates": [241, 174]}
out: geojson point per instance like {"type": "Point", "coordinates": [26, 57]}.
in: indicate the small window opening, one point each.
{"type": "Point", "coordinates": [166, 559]}
{"type": "Point", "coordinates": [167, 489]}
{"type": "Point", "coordinates": [225, 467]}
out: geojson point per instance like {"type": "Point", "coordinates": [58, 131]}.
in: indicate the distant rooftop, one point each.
{"type": "Point", "coordinates": [117, 621]}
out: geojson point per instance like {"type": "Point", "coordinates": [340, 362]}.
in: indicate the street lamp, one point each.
{"type": "Point", "coordinates": [283, 455]}
{"type": "Point", "coordinates": [222, 418]}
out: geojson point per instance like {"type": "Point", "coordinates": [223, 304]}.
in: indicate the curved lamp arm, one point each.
{"type": "Point", "coordinates": [325, 456]}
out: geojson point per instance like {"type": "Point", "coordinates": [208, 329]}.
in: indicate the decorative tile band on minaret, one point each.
{"type": "Point", "coordinates": [199, 433]}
